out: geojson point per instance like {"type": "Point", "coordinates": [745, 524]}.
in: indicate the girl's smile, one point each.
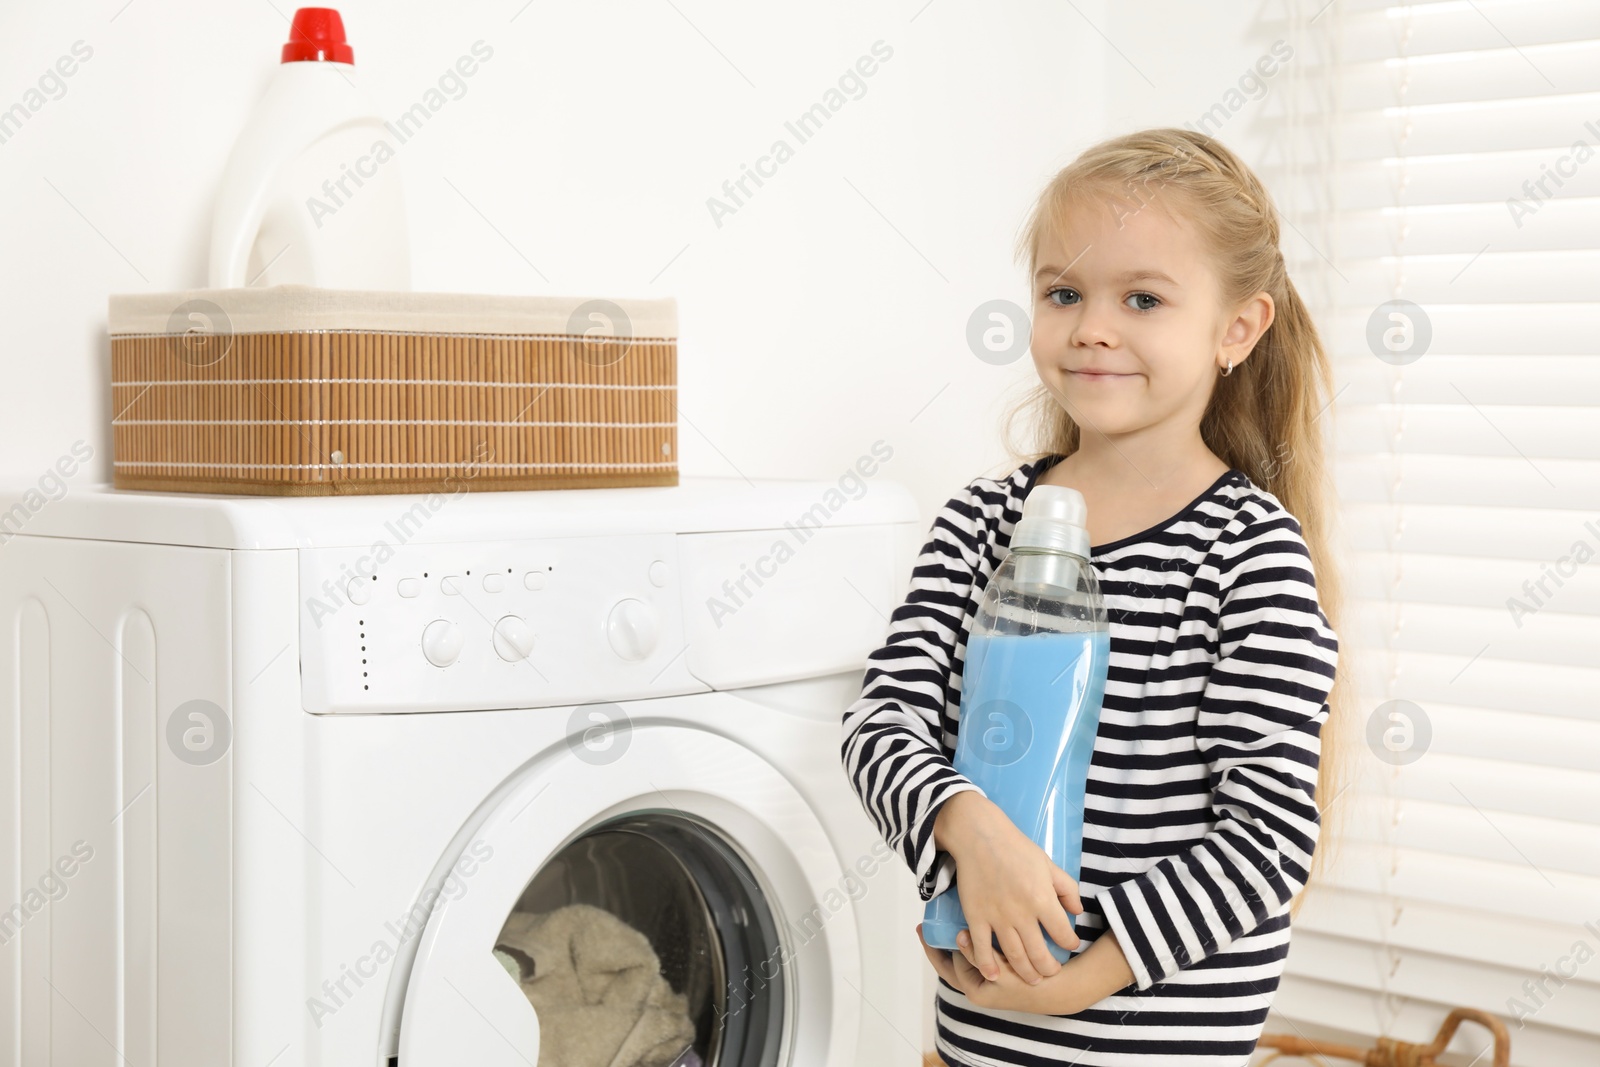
{"type": "Point", "coordinates": [1089, 375]}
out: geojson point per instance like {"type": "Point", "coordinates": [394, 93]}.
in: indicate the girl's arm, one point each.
{"type": "Point", "coordinates": [894, 735]}
{"type": "Point", "coordinates": [1259, 727]}
{"type": "Point", "coordinates": [1083, 981]}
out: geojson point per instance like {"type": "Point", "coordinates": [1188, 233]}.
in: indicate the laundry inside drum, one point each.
{"type": "Point", "coordinates": [647, 943]}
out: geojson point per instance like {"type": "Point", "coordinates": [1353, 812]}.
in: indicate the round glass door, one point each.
{"type": "Point", "coordinates": [683, 902]}
{"type": "Point", "coordinates": [647, 941]}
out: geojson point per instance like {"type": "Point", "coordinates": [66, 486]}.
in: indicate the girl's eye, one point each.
{"type": "Point", "coordinates": [1068, 297]}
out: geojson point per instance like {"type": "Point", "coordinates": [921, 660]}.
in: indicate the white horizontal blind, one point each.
{"type": "Point", "coordinates": [1467, 475]}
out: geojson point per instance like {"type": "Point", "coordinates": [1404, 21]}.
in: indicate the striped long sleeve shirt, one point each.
{"type": "Point", "coordinates": [1201, 813]}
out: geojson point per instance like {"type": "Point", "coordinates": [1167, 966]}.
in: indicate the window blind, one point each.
{"type": "Point", "coordinates": [1453, 161]}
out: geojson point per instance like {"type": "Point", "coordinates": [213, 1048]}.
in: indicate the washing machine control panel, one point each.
{"type": "Point", "coordinates": [486, 625]}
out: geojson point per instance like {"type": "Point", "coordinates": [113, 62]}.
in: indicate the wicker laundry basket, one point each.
{"type": "Point", "coordinates": [1392, 1053]}
{"type": "Point", "coordinates": [1388, 1053]}
{"type": "Point", "coordinates": [299, 391]}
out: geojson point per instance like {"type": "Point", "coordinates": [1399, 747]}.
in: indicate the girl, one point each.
{"type": "Point", "coordinates": [1180, 389]}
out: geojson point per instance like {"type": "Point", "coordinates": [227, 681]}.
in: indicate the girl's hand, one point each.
{"type": "Point", "coordinates": [1009, 887]}
{"type": "Point", "coordinates": [1056, 996]}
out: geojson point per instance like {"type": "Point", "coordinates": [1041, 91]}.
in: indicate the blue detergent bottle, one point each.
{"type": "Point", "coordinates": [1031, 689]}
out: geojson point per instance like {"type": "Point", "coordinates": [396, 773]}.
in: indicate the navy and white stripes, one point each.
{"type": "Point", "coordinates": [1201, 814]}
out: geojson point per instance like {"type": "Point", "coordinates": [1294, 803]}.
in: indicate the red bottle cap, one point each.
{"type": "Point", "coordinates": [317, 33]}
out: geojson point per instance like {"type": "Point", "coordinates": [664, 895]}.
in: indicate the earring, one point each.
{"type": "Point", "coordinates": [1229, 370]}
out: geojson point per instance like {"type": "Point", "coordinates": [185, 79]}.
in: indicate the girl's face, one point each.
{"type": "Point", "coordinates": [1127, 328]}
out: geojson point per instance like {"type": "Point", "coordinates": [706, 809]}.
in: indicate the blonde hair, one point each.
{"type": "Point", "coordinates": [1263, 418]}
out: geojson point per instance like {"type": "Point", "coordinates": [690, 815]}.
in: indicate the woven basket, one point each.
{"type": "Point", "coordinates": [297, 391]}
{"type": "Point", "coordinates": [1390, 1052]}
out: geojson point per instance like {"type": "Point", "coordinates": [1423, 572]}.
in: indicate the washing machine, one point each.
{"type": "Point", "coordinates": [300, 781]}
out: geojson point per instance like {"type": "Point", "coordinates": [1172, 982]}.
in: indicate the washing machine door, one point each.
{"type": "Point", "coordinates": [685, 854]}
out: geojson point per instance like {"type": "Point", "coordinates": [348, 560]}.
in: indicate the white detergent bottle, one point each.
{"type": "Point", "coordinates": [312, 193]}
